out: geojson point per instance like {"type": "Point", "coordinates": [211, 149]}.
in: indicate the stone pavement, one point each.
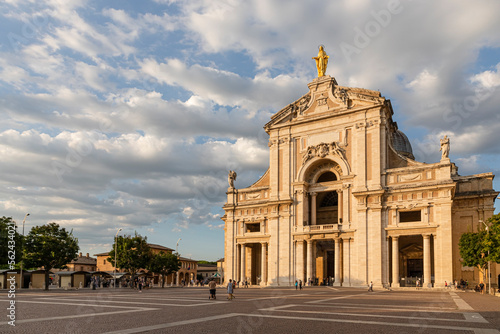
{"type": "Point", "coordinates": [254, 310]}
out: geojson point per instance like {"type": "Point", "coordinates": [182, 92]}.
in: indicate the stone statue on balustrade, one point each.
{"type": "Point", "coordinates": [445, 148]}
{"type": "Point", "coordinates": [231, 177]}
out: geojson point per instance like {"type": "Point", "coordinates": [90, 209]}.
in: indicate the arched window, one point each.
{"type": "Point", "coordinates": [330, 199]}
{"type": "Point", "coordinates": [326, 177]}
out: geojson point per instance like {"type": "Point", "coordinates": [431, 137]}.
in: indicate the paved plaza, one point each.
{"type": "Point", "coordinates": [254, 310]}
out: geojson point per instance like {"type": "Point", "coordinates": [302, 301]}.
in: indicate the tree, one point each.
{"type": "Point", "coordinates": [11, 244]}
{"type": "Point", "coordinates": [477, 248]}
{"type": "Point", "coordinates": [50, 246]}
{"type": "Point", "coordinates": [164, 264]}
{"type": "Point", "coordinates": [134, 253]}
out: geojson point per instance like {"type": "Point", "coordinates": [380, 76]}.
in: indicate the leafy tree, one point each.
{"type": "Point", "coordinates": [12, 243]}
{"type": "Point", "coordinates": [206, 262]}
{"type": "Point", "coordinates": [50, 246]}
{"type": "Point", "coordinates": [134, 253]}
{"type": "Point", "coordinates": [477, 248]}
{"type": "Point", "coordinates": [164, 264]}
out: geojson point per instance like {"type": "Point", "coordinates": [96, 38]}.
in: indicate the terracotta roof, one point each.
{"type": "Point", "coordinates": [153, 246]}
{"type": "Point", "coordinates": [85, 260]}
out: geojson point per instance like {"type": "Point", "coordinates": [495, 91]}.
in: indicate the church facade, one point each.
{"type": "Point", "coordinates": [345, 202]}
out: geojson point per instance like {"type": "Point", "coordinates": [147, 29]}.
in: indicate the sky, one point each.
{"type": "Point", "coordinates": [129, 114]}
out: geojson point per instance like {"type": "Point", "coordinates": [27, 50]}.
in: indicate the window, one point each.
{"type": "Point", "coordinates": [326, 177]}
{"type": "Point", "coordinates": [410, 216]}
{"type": "Point", "coordinates": [103, 261]}
{"type": "Point", "coordinates": [330, 199]}
{"type": "Point", "coordinates": [255, 227]}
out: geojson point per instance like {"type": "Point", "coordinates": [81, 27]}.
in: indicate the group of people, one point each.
{"type": "Point", "coordinates": [298, 284]}
{"type": "Point", "coordinates": [231, 285]}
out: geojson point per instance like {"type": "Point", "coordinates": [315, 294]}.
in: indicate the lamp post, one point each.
{"type": "Point", "coordinates": [116, 254]}
{"type": "Point", "coordinates": [177, 245]}
{"type": "Point", "coordinates": [22, 254]}
{"type": "Point", "coordinates": [489, 279]}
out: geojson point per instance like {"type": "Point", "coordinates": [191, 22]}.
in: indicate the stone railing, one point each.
{"type": "Point", "coordinates": [317, 228]}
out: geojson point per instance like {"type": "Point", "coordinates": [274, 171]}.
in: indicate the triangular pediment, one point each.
{"type": "Point", "coordinates": [291, 111]}
{"type": "Point", "coordinates": [412, 251]}
{"type": "Point", "coordinates": [325, 97]}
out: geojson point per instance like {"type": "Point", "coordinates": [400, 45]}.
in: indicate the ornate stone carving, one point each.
{"type": "Point", "coordinates": [322, 150]}
{"type": "Point", "coordinates": [300, 105]}
{"type": "Point", "coordinates": [343, 96]}
{"type": "Point", "coordinates": [322, 101]}
{"type": "Point", "coordinates": [253, 196]}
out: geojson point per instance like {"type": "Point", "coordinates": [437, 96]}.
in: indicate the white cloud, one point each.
{"type": "Point", "coordinates": [488, 79]}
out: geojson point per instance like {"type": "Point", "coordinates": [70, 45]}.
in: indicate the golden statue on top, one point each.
{"type": "Point", "coordinates": [321, 61]}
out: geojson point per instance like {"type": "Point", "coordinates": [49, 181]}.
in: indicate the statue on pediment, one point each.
{"type": "Point", "coordinates": [445, 147]}
{"type": "Point", "coordinates": [321, 61]}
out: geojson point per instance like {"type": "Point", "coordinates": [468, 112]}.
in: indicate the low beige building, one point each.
{"type": "Point", "coordinates": [186, 272]}
{"type": "Point", "coordinates": [345, 202]}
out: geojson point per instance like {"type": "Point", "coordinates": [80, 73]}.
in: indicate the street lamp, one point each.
{"type": "Point", "coordinates": [489, 279]}
{"type": "Point", "coordinates": [116, 254]}
{"type": "Point", "coordinates": [22, 258]}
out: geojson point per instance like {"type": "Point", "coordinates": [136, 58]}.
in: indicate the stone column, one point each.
{"type": "Point", "coordinates": [177, 281]}
{"type": "Point", "coordinates": [337, 263]}
{"type": "Point", "coordinates": [238, 265]}
{"type": "Point", "coordinates": [395, 261]}
{"type": "Point", "coordinates": [243, 258]}
{"type": "Point", "coordinates": [299, 260]}
{"type": "Point", "coordinates": [309, 260]}
{"type": "Point", "coordinates": [427, 260]}
{"type": "Point", "coordinates": [313, 208]}
{"type": "Point", "coordinates": [263, 261]}
{"type": "Point", "coordinates": [346, 262]}
{"type": "Point", "coordinates": [340, 205]}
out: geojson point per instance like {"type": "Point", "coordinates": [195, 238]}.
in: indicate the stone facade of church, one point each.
{"type": "Point", "coordinates": [344, 201]}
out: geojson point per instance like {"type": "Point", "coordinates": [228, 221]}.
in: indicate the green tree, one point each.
{"type": "Point", "coordinates": [477, 248]}
{"type": "Point", "coordinates": [164, 264]}
{"type": "Point", "coordinates": [11, 244]}
{"type": "Point", "coordinates": [49, 246]}
{"type": "Point", "coordinates": [134, 253]}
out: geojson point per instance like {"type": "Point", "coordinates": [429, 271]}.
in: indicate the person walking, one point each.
{"type": "Point", "coordinates": [212, 286]}
{"type": "Point", "coordinates": [230, 290]}
{"type": "Point", "coordinates": [481, 287]}
{"type": "Point", "coordinates": [296, 284]}
{"type": "Point", "coordinates": [370, 287]}
{"type": "Point", "coordinates": [300, 284]}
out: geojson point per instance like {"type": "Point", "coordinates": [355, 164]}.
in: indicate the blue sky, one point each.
{"type": "Point", "coordinates": [126, 114]}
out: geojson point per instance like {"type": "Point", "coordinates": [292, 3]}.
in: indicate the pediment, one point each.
{"type": "Point", "coordinates": [412, 251]}
{"type": "Point", "coordinates": [325, 96]}
{"type": "Point", "coordinates": [290, 112]}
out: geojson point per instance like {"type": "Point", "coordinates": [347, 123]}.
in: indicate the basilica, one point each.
{"type": "Point", "coordinates": [344, 202]}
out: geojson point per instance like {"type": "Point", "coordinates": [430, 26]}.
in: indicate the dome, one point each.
{"type": "Point", "coordinates": [402, 145]}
